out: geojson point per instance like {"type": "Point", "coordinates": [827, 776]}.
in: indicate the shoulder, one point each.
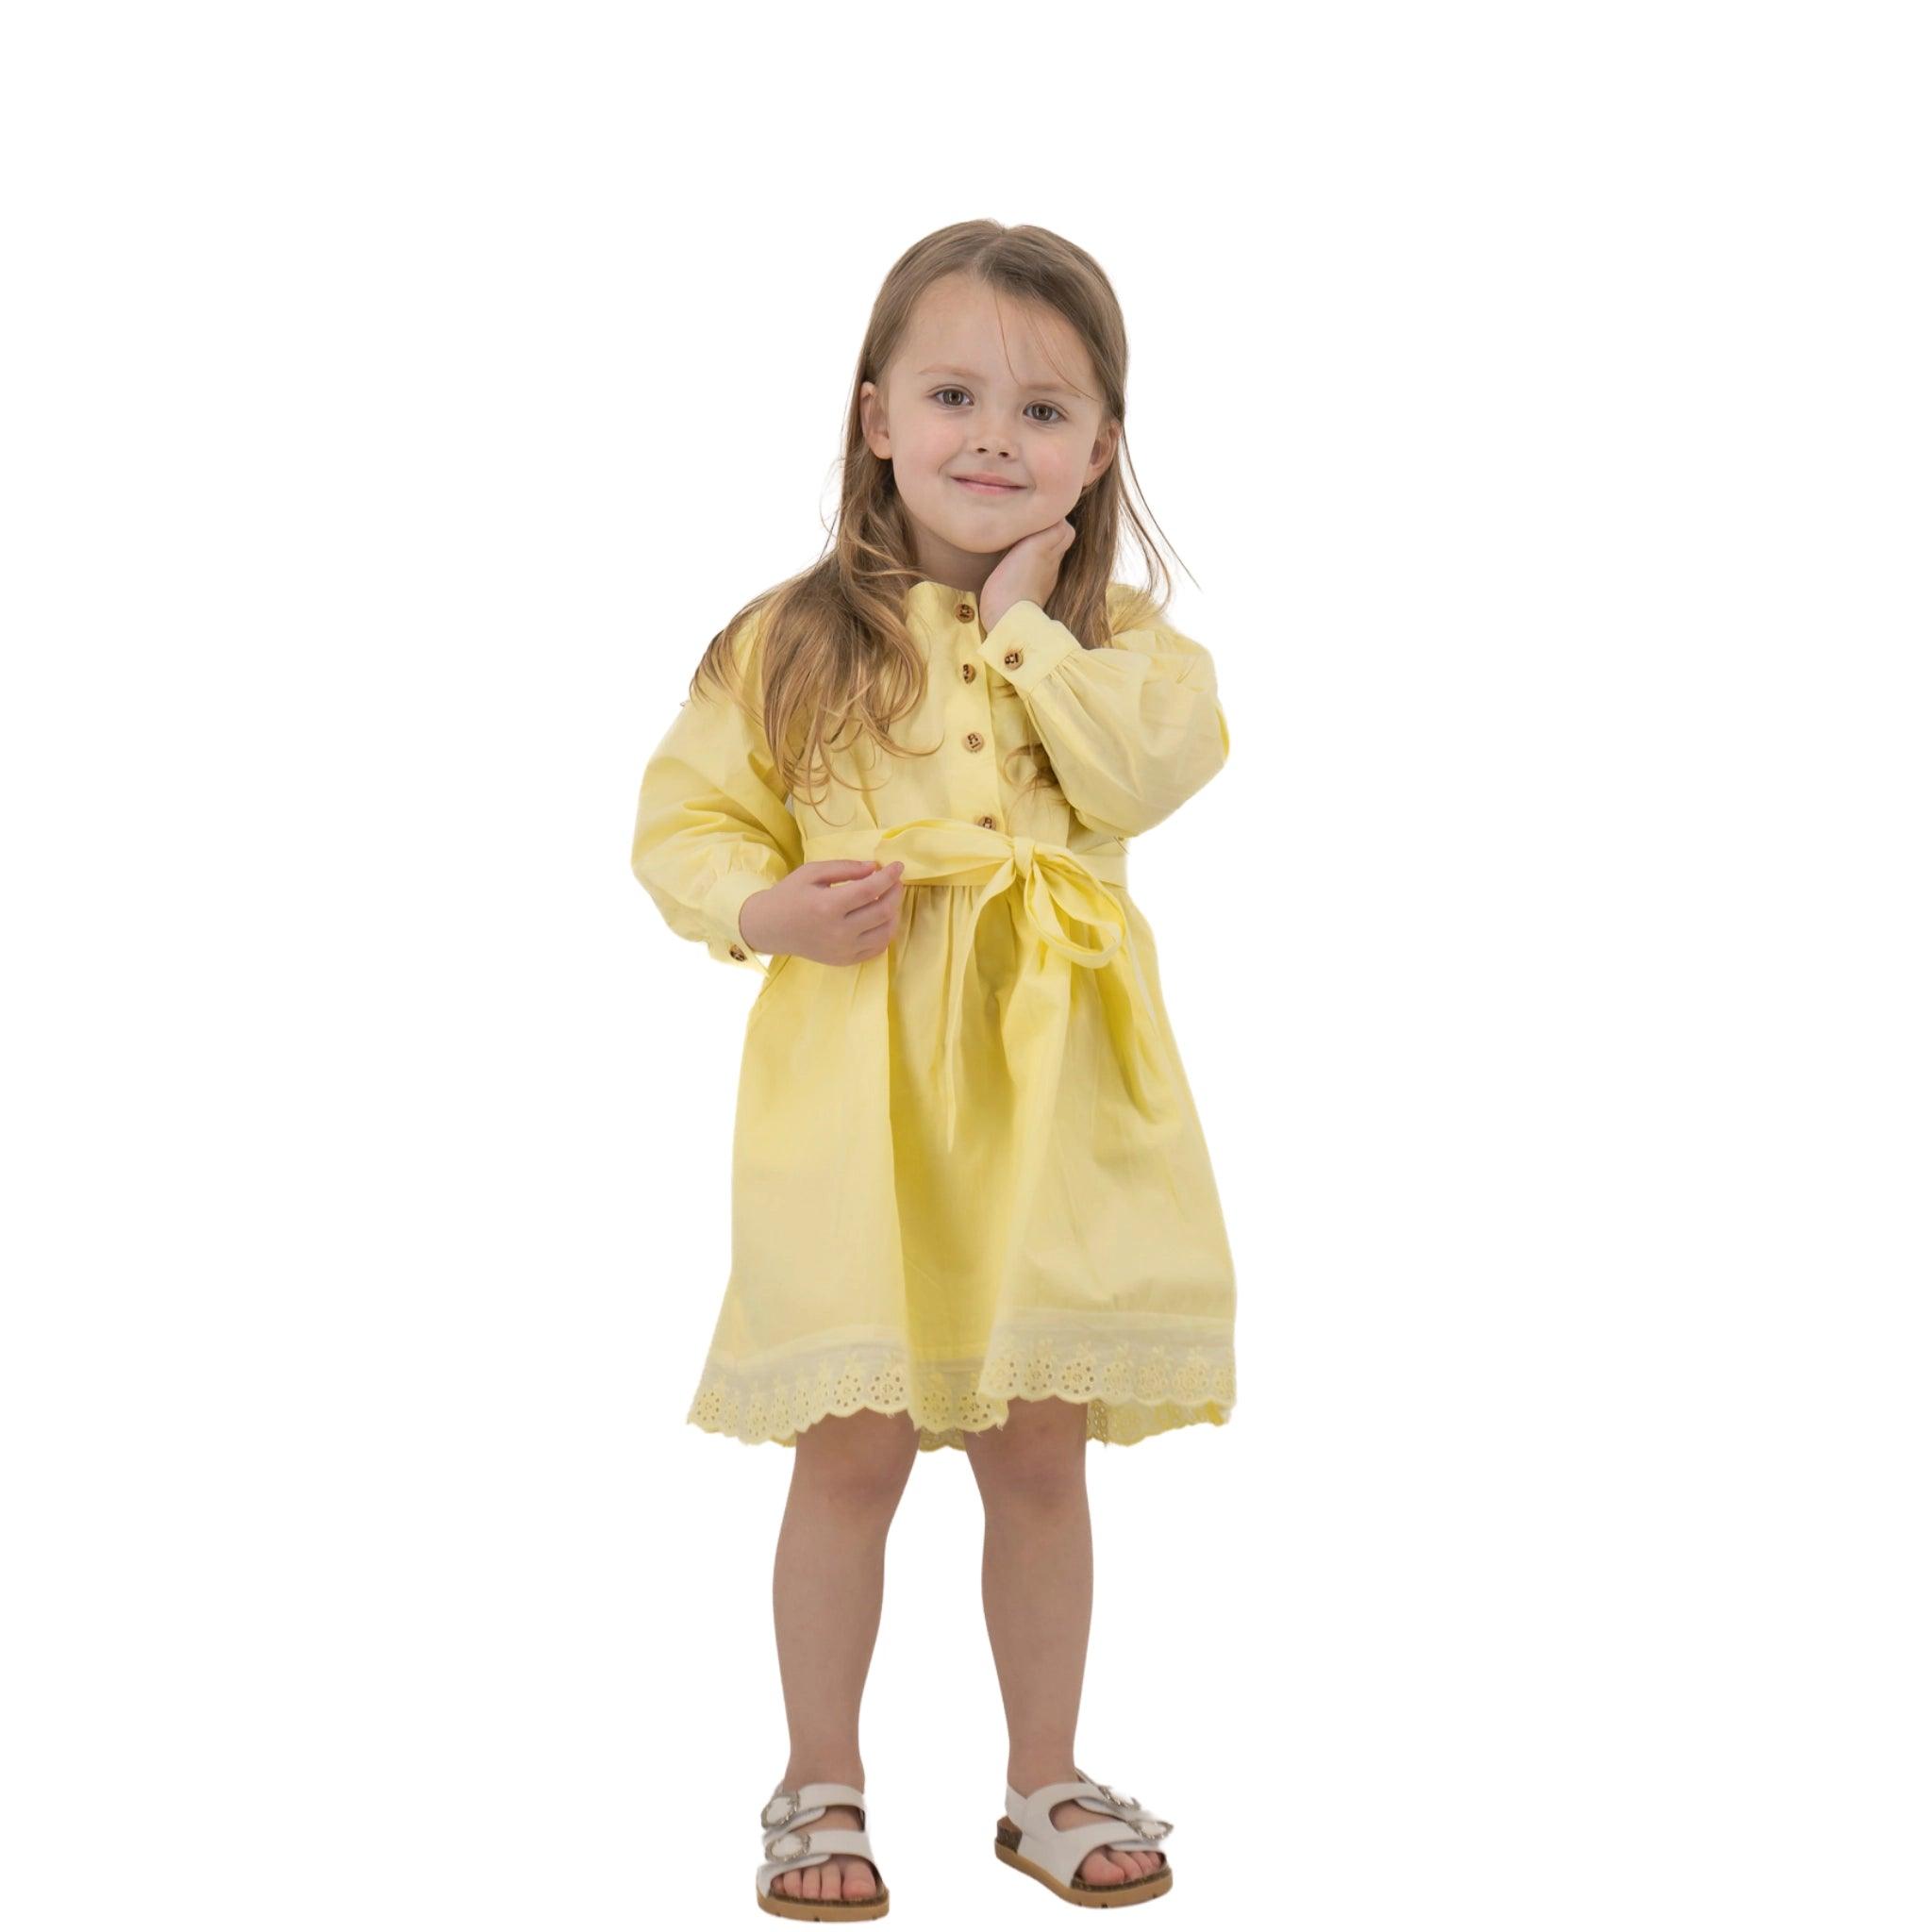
{"type": "Point", "coordinates": [1138, 623]}
{"type": "Point", "coordinates": [733, 663]}
{"type": "Point", "coordinates": [746, 632]}
{"type": "Point", "coordinates": [1131, 607]}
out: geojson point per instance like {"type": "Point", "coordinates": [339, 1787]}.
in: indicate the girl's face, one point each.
{"type": "Point", "coordinates": [982, 387]}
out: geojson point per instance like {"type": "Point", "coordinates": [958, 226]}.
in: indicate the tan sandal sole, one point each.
{"type": "Point", "coordinates": [783, 1907]}
{"type": "Point", "coordinates": [1129, 1892]}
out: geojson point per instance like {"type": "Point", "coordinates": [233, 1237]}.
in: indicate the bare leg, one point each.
{"type": "Point", "coordinates": [1036, 1581]}
{"type": "Point", "coordinates": [828, 1585]}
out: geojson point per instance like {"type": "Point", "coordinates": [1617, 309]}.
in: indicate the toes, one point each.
{"type": "Point", "coordinates": [858, 1882]}
{"type": "Point", "coordinates": [1119, 1867]}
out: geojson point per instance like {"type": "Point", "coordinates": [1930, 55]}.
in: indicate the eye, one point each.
{"type": "Point", "coordinates": [1057, 414]}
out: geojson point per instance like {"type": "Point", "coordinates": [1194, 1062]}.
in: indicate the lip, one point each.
{"type": "Point", "coordinates": [987, 486]}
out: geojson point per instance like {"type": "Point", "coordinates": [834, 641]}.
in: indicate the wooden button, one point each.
{"type": "Point", "coordinates": [738, 952]}
{"type": "Point", "coordinates": [964, 614]}
{"type": "Point", "coordinates": [974, 741]}
{"type": "Point", "coordinates": [969, 671]}
{"type": "Point", "coordinates": [1011, 660]}
{"type": "Point", "coordinates": [990, 823]}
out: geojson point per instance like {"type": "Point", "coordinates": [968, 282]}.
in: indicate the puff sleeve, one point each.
{"type": "Point", "coordinates": [712, 825]}
{"type": "Point", "coordinates": [1132, 730]}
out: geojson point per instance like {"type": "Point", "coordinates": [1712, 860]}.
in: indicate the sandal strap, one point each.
{"type": "Point", "coordinates": [1098, 1796]}
{"type": "Point", "coordinates": [789, 1804]}
{"type": "Point", "coordinates": [1047, 1796]}
{"type": "Point", "coordinates": [789, 1818]}
{"type": "Point", "coordinates": [1062, 1849]}
{"type": "Point", "coordinates": [793, 1851]}
{"type": "Point", "coordinates": [1119, 1803]}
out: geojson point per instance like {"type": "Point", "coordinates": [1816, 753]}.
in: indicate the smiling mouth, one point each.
{"type": "Point", "coordinates": [988, 489]}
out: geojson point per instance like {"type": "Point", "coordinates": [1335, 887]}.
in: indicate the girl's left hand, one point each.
{"type": "Point", "coordinates": [1026, 573]}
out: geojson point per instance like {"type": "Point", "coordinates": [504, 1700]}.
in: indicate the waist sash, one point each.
{"type": "Point", "coordinates": [1055, 885]}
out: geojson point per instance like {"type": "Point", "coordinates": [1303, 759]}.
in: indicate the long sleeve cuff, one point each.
{"type": "Point", "coordinates": [1130, 731]}
{"type": "Point", "coordinates": [723, 905]}
{"type": "Point", "coordinates": [1026, 645]}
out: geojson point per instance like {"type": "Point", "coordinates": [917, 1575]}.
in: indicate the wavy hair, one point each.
{"type": "Point", "coordinates": [836, 663]}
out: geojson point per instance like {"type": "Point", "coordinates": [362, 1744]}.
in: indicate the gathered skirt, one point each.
{"type": "Point", "coordinates": [1035, 1229]}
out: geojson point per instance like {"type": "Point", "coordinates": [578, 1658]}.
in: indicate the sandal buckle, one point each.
{"type": "Point", "coordinates": [772, 1815]}
{"type": "Point", "coordinates": [794, 1844]}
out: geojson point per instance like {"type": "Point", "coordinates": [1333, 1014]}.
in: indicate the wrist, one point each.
{"type": "Point", "coordinates": [992, 615]}
{"type": "Point", "coordinates": [750, 923]}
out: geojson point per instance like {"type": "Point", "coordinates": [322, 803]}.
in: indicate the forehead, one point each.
{"type": "Point", "coordinates": [962, 328]}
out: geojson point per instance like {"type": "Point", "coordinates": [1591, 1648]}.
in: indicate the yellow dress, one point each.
{"type": "Point", "coordinates": [969, 1169]}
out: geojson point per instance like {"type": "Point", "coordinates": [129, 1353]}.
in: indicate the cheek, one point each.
{"type": "Point", "coordinates": [1058, 472]}
{"type": "Point", "coordinates": [925, 447]}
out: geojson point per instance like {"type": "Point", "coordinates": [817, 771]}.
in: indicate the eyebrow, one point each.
{"type": "Point", "coordinates": [1045, 387]}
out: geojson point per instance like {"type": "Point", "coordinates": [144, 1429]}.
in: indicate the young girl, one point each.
{"type": "Point", "coordinates": [972, 1206]}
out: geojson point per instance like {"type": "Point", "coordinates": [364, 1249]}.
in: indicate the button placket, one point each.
{"type": "Point", "coordinates": [978, 738]}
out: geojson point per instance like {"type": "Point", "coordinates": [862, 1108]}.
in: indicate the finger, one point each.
{"type": "Point", "coordinates": [881, 911]}
{"type": "Point", "coordinates": [875, 937]}
{"type": "Point", "coordinates": [824, 871]}
{"type": "Point", "coordinates": [853, 893]}
{"type": "Point", "coordinates": [869, 921]}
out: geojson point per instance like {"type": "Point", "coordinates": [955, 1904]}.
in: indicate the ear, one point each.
{"type": "Point", "coordinates": [872, 414]}
{"type": "Point", "coordinates": [1104, 445]}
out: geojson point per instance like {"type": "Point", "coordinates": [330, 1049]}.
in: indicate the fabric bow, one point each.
{"type": "Point", "coordinates": [1058, 887]}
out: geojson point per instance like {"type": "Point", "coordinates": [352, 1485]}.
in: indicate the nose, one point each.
{"type": "Point", "coordinates": [1001, 439]}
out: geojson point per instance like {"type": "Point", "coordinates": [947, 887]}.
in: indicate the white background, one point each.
{"type": "Point", "coordinates": [397, 398]}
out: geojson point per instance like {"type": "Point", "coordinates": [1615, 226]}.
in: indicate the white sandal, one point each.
{"type": "Point", "coordinates": [788, 1849]}
{"type": "Point", "coordinates": [1028, 1839]}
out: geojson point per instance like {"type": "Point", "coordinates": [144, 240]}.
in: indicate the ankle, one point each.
{"type": "Point", "coordinates": [824, 1771]}
{"type": "Point", "coordinates": [1028, 1775]}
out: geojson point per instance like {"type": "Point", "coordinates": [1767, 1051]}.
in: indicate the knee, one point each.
{"type": "Point", "coordinates": [1037, 1459]}
{"type": "Point", "coordinates": [860, 1462]}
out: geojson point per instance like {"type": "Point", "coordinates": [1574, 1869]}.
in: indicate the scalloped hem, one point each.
{"type": "Point", "coordinates": [1131, 1391]}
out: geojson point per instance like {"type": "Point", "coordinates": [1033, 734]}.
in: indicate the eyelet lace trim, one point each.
{"type": "Point", "coordinates": [1133, 1388]}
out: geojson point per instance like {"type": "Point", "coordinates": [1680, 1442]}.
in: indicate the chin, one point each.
{"type": "Point", "coordinates": [969, 542]}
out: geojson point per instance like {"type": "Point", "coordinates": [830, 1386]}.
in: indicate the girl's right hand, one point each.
{"type": "Point", "coordinates": [839, 911]}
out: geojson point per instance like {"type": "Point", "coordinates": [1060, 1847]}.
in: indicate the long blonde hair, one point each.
{"type": "Point", "coordinates": [834, 654]}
